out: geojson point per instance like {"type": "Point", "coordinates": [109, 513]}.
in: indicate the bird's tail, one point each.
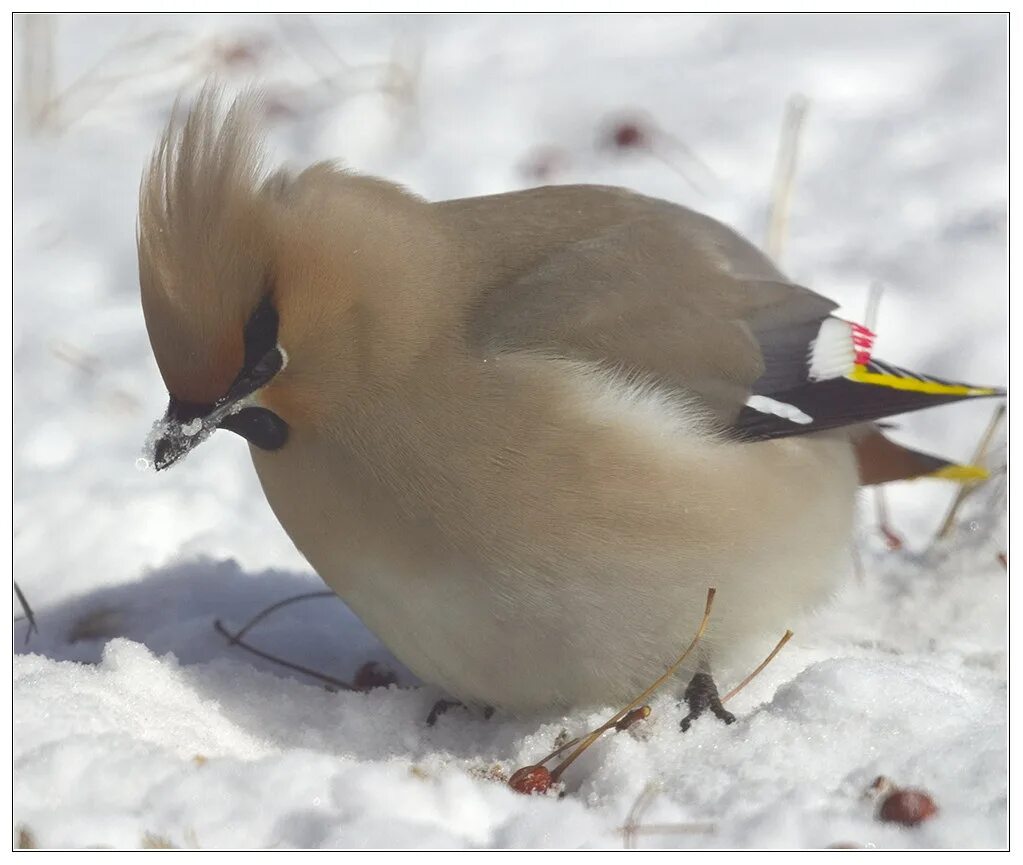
{"type": "Point", "coordinates": [846, 385]}
{"type": "Point", "coordinates": [881, 460]}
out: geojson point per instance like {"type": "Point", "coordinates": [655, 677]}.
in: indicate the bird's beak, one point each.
{"type": "Point", "coordinates": [183, 427]}
{"type": "Point", "coordinates": [186, 425]}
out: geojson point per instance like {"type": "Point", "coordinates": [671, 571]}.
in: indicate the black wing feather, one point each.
{"type": "Point", "coordinates": [839, 402]}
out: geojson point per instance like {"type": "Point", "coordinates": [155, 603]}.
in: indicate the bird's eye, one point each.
{"type": "Point", "coordinates": [259, 426]}
{"type": "Point", "coordinates": [263, 359]}
{"type": "Point", "coordinates": [260, 332]}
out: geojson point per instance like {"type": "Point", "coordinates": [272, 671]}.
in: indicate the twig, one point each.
{"type": "Point", "coordinates": [978, 458]}
{"type": "Point", "coordinates": [780, 645]}
{"type": "Point", "coordinates": [262, 614]}
{"type": "Point", "coordinates": [569, 744]}
{"type": "Point", "coordinates": [302, 32]}
{"type": "Point", "coordinates": [638, 807]}
{"type": "Point", "coordinates": [390, 77]}
{"type": "Point", "coordinates": [37, 75]}
{"type": "Point", "coordinates": [643, 134]}
{"type": "Point", "coordinates": [892, 539]}
{"type": "Point", "coordinates": [632, 717]}
{"type": "Point", "coordinates": [873, 306]}
{"type": "Point", "coordinates": [596, 734]}
{"type": "Point", "coordinates": [93, 86]}
{"type": "Point", "coordinates": [338, 684]}
{"type": "Point", "coordinates": [32, 626]}
{"type": "Point", "coordinates": [670, 828]}
{"type": "Point", "coordinates": [671, 164]}
{"type": "Point", "coordinates": [688, 153]}
{"type": "Point", "coordinates": [784, 174]}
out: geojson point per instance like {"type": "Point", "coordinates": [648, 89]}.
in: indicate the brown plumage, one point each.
{"type": "Point", "coordinates": [508, 431]}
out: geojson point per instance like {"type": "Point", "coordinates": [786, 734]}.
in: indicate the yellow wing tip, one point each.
{"type": "Point", "coordinates": [862, 374]}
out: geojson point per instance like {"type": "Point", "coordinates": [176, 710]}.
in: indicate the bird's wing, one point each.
{"type": "Point", "coordinates": [671, 295]}
{"type": "Point", "coordinates": [841, 385]}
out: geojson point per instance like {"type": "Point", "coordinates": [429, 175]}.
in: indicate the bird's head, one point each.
{"type": "Point", "coordinates": [273, 302]}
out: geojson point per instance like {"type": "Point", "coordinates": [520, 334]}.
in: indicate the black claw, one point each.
{"type": "Point", "coordinates": [440, 708]}
{"type": "Point", "coordinates": [702, 694]}
{"type": "Point", "coordinates": [721, 713]}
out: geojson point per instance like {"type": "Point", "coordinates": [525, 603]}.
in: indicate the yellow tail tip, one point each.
{"type": "Point", "coordinates": [961, 474]}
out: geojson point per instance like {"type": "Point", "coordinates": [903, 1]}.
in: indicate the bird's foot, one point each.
{"type": "Point", "coordinates": [702, 694]}
{"type": "Point", "coordinates": [441, 707]}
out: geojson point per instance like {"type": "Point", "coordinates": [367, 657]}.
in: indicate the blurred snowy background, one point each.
{"type": "Point", "coordinates": [900, 181]}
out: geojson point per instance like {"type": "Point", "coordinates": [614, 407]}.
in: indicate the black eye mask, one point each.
{"type": "Point", "coordinates": [260, 333]}
{"type": "Point", "coordinates": [188, 423]}
{"type": "Point", "coordinates": [263, 360]}
{"type": "Point", "coordinates": [259, 426]}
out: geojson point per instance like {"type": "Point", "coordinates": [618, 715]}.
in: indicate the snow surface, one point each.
{"type": "Point", "coordinates": [135, 723]}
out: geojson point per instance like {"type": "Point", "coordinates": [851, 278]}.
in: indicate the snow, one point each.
{"type": "Point", "coordinates": [136, 723]}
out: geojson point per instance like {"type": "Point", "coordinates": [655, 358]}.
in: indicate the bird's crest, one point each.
{"type": "Point", "coordinates": [204, 243]}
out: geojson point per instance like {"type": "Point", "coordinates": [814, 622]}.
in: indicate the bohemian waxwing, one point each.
{"type": "Point", "coordinates": [519, 435]}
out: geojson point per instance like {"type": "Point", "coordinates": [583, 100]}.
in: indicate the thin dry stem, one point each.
{"type": "Point", "coordinates": [641, 713]}
{"type": "Point", "coordinates": [780, 645]}
{"type": "Point", "coordinates": [36, 87]}
{"type": "Point", "coordinates": [892, 539]}
{"type": "Point", "coordinates": [784, 175]}
{"type": "Point", "coordinates": [26, 840]}
{"type": "Point", "coordinates": [569, 744]}
{"type": "Point", "coordinates": [266, 611]}
{"type": "Point", "coordinates": [635, 812]}
{"type": "Point", "coordinates": [55, 110]}
{"type": "Point", "coordinates": [672, 828]}
{"type": "Point", "coordinates": [870, 314]}
{"type": "Point", "coordinates": [392, 77]}
{"type": "Point", "coordinates": [688, 153]}
{"type": "Point", "coordinates": [596, 734]}
{"type": "Point", "coordinates": [32, 626]}
{"type": "Point", "coordinates": [331, 681]}
{"type": "Point", "coordinates": [670, 163]}
{"type": "Point", "coordinates": [978, 458]}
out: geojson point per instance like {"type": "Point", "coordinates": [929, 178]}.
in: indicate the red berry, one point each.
{"type": "Point", "coordinates": [371, 675]}
{"type": "Point", "coordinates": [239, 52]}
{"type": "Point", "coordinates": [908, 807]}
{"type": "Point", "coordinates": [891, 540]}
{"type": "Point", "coordinates": [531, 779]}
{"type": "Point", "coordinates": [628, 135]}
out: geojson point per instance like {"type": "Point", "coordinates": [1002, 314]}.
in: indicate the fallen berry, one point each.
{"type": "Point", "coordinates": [531, 779]}
{"type": "Point", "coordinates": [628, 135]}
{"type": "Point", "coordinates": [371, 675]}
{"type": "Point", "coordinates": [891, 540]}
{"type": "Point", "coordinates": [908, 807]}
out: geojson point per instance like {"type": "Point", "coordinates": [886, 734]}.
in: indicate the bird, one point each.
{"type": "Point", "coordinates": [520, 435]}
